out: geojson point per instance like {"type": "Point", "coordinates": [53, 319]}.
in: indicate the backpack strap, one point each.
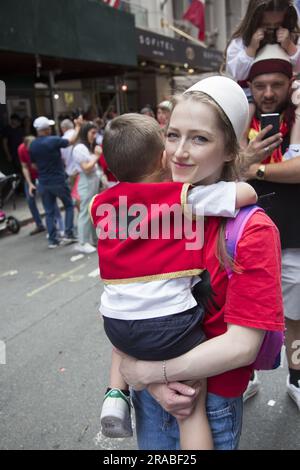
{"type": "Point", "coordinates": [269, 354]}
{"type": "Point", "coordinates": [234, 230]}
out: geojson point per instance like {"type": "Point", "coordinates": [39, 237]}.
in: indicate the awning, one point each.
{"type": "Point", "coordinates": [83, 30]}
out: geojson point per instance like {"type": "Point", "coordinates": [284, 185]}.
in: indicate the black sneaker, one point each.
{"type": "Point", "coordinates": [38, 230]}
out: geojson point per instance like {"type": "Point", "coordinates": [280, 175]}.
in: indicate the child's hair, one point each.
{"type": "Point", "coordinates": [231, 168]}
{"type": "Point", "coordinates": [83, 136]}
{"type": "Point", "coordinates": [253, 17]}
{"type": "Point", "coordinates": [132, 147]}
{"type": "Point", "coordinates": [255, 11]}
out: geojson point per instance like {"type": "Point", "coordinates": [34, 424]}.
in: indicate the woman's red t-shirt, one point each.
{"type": "Point", "coordinates": [251, 299]}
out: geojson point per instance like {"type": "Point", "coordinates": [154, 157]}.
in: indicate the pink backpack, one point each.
{"type": "Point", "coordinates": [269, 354]}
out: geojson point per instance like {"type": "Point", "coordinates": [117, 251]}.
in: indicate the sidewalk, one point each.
{"type": "Point", "coordinates": [22, 212]}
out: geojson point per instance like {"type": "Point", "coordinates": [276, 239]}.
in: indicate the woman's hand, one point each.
{"type": "Point", "coordinates": [255, 42]}
{"type": "Point", "coordinates": [259, 149]}
{"type": "Point", "coordinates": [98, 151]}
{"type": "Point", "coordinates": [176, 398]}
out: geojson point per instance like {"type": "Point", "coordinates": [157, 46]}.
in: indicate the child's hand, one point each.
{"type": "Point", "coordinates": [283, 37]}
{"type": "Point", "coordinates": [285, 40]}
{"type": "Point", "coordinates": [256, 39]}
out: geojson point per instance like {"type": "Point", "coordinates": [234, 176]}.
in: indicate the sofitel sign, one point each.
{"type": "Point", "coordinates": [156, 47]}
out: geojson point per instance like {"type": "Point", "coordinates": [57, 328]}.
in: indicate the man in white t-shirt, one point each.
{"type": "Point", "coordinates": [68, 131]}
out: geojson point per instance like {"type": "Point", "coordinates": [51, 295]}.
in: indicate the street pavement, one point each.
{"type": "Point", "coordinates": [57, 357]}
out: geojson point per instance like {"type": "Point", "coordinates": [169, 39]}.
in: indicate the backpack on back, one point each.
{"type": "Point", "coordinates": [269, 356]}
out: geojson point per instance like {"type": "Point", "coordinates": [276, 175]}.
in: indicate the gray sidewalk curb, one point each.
{"type": "Point", "coordinates": [28, 220]}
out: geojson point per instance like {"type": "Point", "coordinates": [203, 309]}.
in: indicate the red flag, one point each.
{"type": "Point", "coordinates": [195, 14]}
{"type": "Point", "coordinates": [112, 3]}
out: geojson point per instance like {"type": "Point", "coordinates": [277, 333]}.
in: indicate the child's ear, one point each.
{"type": "Point", "coordinates": [164, 160]}
{"type": "Point", "coordinates": [228, 158]}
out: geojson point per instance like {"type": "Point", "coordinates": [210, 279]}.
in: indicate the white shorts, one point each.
{"type": "Point", "coordinates": [291, 283]}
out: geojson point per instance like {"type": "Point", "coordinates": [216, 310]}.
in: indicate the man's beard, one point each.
{"type": "Point", "coordinates": [278, 108]}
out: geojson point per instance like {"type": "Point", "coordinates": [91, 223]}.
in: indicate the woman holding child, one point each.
{"type": "Point", "coordinates": [202, 148]}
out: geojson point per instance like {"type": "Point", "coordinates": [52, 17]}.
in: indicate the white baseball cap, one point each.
{"type": "Point", "coordinates": [165, 105]}
{"type": "Point", "coordinates": [42, 122]}
{"type": "Point", "coordinates": [230, 97]}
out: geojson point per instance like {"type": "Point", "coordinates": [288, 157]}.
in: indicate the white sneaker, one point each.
{"type": "Point", "coordinates": [294, 392]}
{"type": "Point", "coordinates": [87, 248]}
{"type": "Point", "coordinates": [252, 389]}
{"type": "Point", "coordinates": [116, 415]}
{"type": "Point", "coordinates": [52, 246]}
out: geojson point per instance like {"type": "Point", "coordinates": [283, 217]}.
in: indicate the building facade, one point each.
{"type": "Point", "coordinates": [82, 55]}
{"type": "Point", "coordinates": [165, 56]}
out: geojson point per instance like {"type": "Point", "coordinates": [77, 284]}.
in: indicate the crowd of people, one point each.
{"type": "Point", "coordinates": [190, 327]}
{"type": "Point", "coordinates": [74, 160]}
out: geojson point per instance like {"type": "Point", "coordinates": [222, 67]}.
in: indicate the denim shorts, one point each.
{"type": "Point", "coordinates": [158, 430]}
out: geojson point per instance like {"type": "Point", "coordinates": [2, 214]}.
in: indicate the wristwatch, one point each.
{"type": "Point", "coordinates": [260, 174]}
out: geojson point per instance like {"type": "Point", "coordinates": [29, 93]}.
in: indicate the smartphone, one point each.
{"type": "Point", "coordinates": [273, 119]}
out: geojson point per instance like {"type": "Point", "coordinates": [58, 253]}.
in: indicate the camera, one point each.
{"type": "Point", "coordinates": [270, 37]}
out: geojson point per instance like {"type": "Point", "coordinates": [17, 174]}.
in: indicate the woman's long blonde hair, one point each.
{"type": "Point", "coordinates": [231, 168]}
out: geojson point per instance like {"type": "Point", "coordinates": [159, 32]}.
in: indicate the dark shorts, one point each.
{"type": "Point", "coordinates": [156, 339]}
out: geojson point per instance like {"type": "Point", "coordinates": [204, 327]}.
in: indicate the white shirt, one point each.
{"type": "Point", "coordinates": [238, 63]}
{"type": "Point", "coordinates": [67, 154]}
{"type": "Point", "coordinates": [141, 300]}
{"type": "Point", "coordinates": [99, 139]}
{"type": "Point", "coordinates": [81, 154]}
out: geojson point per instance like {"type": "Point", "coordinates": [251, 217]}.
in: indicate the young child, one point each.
{"type": "Point", "coordinates": [265, 22]}
{"type": "Point", "coordinates": [149, 282]}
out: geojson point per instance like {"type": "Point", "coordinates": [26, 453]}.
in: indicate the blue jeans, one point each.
{"type": "Point", "coordinates": [32, 206]}
{"type": "Point", "coordinates": [158, 430]}
{"type": "Point", "coordinates": [49, 193]}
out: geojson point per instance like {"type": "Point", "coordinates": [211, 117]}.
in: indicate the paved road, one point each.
{"type": "Point", "coordinates": [58, 357]}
